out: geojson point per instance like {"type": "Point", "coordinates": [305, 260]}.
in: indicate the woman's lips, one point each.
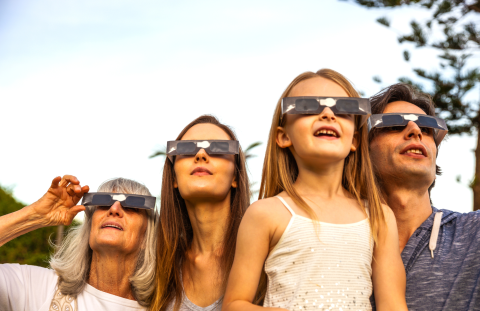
{"type": "Point", "coordinates": [201, 171]}
{"type": "Point", "coordinates": [112, 225]}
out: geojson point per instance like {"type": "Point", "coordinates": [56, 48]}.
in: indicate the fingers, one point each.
{"type": "Point", "coordinates": [73, 212]}
{"type": "Point", "coordinates": [72, 189]}
{"type": "Point", "coordinates": [69, 179]}
{"type": "Point", "coordinates": [77, 191]}
{"type": "Point", "coordinates": [55, 182]}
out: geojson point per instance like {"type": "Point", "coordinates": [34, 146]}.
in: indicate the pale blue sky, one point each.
{"type": "Point", "coordinates": [92, 88]}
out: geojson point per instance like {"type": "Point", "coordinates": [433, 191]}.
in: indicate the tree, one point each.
{"type": "Point", "coordinates": [32, 248]}
{"type": "Point", "coordinates": [452, 31]}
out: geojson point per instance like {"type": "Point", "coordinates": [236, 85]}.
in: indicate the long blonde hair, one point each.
{"type": "Point", "coordinates": [280, 169]}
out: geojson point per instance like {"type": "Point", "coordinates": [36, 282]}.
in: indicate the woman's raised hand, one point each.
{"type": "Point", "coordinates": [59, 205]}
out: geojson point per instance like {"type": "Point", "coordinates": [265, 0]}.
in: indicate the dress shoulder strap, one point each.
{"type": "Point", "coordinates": [367, 209]}
{"type": "Point", "coordinates": [286, 205]}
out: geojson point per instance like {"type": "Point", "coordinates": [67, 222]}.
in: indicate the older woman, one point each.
{"type": "Point", "coordinates": [106, 263]}
{"type": "Point", "coordinates": [205, 193]}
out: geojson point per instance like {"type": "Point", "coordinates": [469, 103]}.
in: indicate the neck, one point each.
{"type": "Point", "coordinates": [324, 181]}
{"type": "Point", "coordinates": [411, 206]}
{"type": "Point", "coordinates": [209, 221]}
{"type": "Point", "coordinates": [110, 273]}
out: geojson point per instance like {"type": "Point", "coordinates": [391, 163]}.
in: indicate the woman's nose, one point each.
{"type": "Point", "coordinates": [116, 209]}
{"type": "Point", "coordinates": [202, 155]}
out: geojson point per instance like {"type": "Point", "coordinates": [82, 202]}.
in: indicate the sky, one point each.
{"type": "Point", "coordinates": [93, 88]}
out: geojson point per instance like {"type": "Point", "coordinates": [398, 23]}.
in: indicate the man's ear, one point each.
{"type": "Point", "coordinates": [355, 141]}
{"type": "Point", "coordinates": [282, 139]}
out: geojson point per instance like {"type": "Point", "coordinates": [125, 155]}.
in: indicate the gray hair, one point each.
{"type": "Point", "coordinates": [72, 259]}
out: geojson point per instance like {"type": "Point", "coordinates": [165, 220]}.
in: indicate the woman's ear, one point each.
{"type": "Point", "coordinates": [234, 182]}
{"type": "Point", "coordinates": [355, 141]}
{"type": "Point", "coordinates": [175, 184]}
{"type": "Point", "coordinates": [282, 139]}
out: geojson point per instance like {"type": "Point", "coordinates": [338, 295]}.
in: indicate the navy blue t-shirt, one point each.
{"type": "Point", "coordinates": [450, 280]}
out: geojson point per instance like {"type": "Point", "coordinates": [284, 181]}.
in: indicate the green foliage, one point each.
{"type": "Point", "coordinates": [457, 39]}
{"type": "Point", "coordinates": [450, 31]}
{"type": "Point", "coordinates": [159, 153]}
{"type": "Point", "coordinates": [384, 21]}
{"type": "Point", "coordinates": [248, 151]}
{"type": "Point", "coordinates": [31, 248]}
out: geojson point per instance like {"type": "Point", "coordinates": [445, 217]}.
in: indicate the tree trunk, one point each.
{"type": "Point", "coordinates": [59, 235]}
{"type": "Point", "coordinates": [476, 178]}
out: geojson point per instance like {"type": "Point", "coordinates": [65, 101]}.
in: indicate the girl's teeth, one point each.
{"type": "Point", "coordinates": [327, 132]}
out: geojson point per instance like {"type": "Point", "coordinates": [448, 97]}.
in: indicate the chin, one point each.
{"type": "Point", "coordinates": [328, 155]}
{"type": "Point", "coordinates": [108, 240]}
{"type": "Point", "coordinates": [413, 173]}
{"type": "Point", "coordinates": [209, 194]}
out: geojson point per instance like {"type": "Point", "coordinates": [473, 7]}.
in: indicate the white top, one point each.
{"type": "Point", "coordinates": [327, 269]}
{"type": "Point", "coordinates": [31, 288]}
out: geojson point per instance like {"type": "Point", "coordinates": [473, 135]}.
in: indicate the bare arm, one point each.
{"type": "Point", "coordinates": [56, 207]}
{"type": "Point", "coordinates": [253, 245]}
{"type": "Point", "coordinates": [389, 280]}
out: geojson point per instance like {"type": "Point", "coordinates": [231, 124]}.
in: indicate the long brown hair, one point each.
{"type": "Point", "coordinates": [175, 231]}
{"type": "Point", "coordinates": [280, 169]}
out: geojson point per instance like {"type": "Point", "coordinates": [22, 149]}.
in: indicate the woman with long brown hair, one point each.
{"type": "Point", "coordinates": [205, 193]}
{"type": "Point", "coordinates": [320, 221]}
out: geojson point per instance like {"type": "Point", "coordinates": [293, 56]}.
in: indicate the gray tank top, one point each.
{"type": "Point", "coordinates": [187, 305]}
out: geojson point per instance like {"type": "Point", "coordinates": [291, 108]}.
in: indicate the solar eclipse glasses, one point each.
{"type": "Point", "coordinates": [401, 119]}
{"type": "Point", "coordinates": [339, 105]}
{"type": "Point", "coordinates": [126, 200]}
{"type": "Point", "coordinates": [192, 147]}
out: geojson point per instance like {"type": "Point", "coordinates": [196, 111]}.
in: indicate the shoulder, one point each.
{"type": "Point", "coordinates": [27, 272]}
{"type": "Point", "coordinates": [467, 222]}
{"type": "Point", "coordinates": [264, 207]}
{"type": "Point", "coordinates": [266, 211]}
{"type": "Point", "coordinates": [464, 217]}
{"type": "Point", "coordinates": [29, 287]}
{"type": "Point", "coordinates": [387, 211]}
{"type": "Point", "coordinates": [388, 214]}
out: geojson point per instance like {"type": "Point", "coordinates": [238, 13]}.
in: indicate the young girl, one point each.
{"type": "Point", "coordinates": [320, 230]}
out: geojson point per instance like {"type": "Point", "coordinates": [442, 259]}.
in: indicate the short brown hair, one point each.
{"type": "Point", "coordinates": [407, 93]}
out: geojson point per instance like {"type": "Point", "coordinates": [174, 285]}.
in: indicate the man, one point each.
{"type": "Point", "coordinates": [440, 248]}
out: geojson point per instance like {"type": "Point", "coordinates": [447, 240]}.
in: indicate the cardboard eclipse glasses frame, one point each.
{"type": "Point", "coordinates": [192, 147]}
{"type": "Point", "coordinates": [401, 119]}
{"type": "Point", "coordinates": [338, 105]}
{"type": "Point", "coordinates": [125, 199]}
